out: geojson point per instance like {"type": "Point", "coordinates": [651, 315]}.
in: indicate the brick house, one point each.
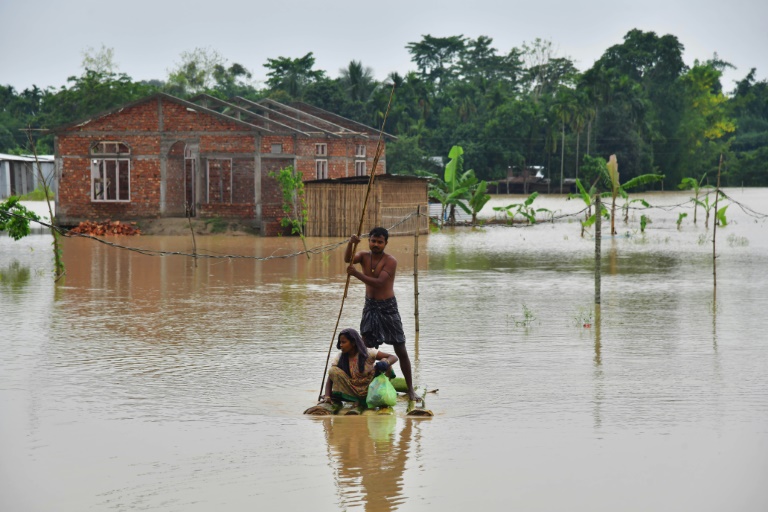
{"type": "Point", "coordinates": [162, 156]}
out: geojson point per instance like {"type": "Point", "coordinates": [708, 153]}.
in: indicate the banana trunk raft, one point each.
{"type": "Point", "coordinates": [341, 409]}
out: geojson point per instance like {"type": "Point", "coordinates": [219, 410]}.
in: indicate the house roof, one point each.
{"type": "Point", "coordinates": [166, 97]}
{"type": "Point", "coordinates": [342, 121]}
{"type": "Point", "coordinates": [26, 158]}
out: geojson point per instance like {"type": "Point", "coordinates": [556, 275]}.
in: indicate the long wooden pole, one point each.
{"type": "Point", "coordinates": [714, 226]}
{"type": "Point", "coordinates": [379, 148]}
{"type": "Point", "coordinates": [598, 255]}
{"type": "Point", "coordinates": [416, 267]}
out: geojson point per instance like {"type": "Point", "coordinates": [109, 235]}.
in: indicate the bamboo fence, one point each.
{"type": "Point", "coordinates": [334, 206]}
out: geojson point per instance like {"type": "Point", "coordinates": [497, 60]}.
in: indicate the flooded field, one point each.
{"type": "Point", "coordinates": [168, 383]}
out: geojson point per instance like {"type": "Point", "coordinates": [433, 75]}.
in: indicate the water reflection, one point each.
{"type": "Point", "coordinates": [368, 455]}
{"type": "Point", "coordinates": [14, 276]}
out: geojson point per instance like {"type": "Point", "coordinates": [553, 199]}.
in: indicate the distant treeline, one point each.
{"type": "Point", "coordinates": [527, 107]}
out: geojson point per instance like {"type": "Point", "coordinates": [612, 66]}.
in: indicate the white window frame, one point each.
{"type": "Point", "coordinates": [321, 169]}
{"type": "Point", "coordinates": [321, 149]}
{"type": "Point", "coordinates": [110, 160]}
{"type": "Point", "coordinates": [360, 150]}
{"type": "Point", "coordinates": [360, 168]}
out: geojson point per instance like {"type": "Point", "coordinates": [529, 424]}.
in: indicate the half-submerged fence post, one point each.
{"type": "Point", "coordinates": [598, 219]}
{"type": "Point", "coordinates": [416, 267]}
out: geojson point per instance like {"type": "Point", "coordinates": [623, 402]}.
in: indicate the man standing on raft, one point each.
{"type": "Point", "coordinates": [381, 321]}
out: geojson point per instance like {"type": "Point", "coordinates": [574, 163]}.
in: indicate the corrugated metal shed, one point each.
{"type": "Point", "coordinates": [18, 175]}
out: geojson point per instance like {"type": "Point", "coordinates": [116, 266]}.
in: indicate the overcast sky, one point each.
{"type": "Point", "coordinates": [42, 41]}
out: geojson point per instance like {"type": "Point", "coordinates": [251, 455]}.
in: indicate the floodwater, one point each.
{"type": "Point", "coordinates": [167, 383]}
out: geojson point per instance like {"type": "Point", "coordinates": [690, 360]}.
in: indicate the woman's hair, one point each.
{"type": "Point", "coordinates": [362, 350]}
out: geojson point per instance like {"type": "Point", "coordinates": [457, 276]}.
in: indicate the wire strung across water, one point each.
{"type": "Point", "coordinates": [330, 247]}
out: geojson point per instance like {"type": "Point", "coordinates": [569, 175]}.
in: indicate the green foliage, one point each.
{"type": "Point", "coordinates": [294, 204]}
{"type": "Point", "coordinates": [644, 221]}
{"type": "Point", "coordinates": [41, 193]}
{"type": "Point", "coordinates": [524, 209]}
{"type": "Point", "coordinates": [458, 188]}
{"type": "Point", "coordinates": [217, 225]}
{"type": "Point", "coordinates": [680, 218]}
{"type": "Point", "coordinates": [720, 216]}
{"type": "Point", "coordinates": [527, 320]}
{"type": "Point", "coordinates": [479, 198]}
{"type": "Point", "coordinates": [292, 75]}
{"type": "Point", "coordinates": [15, 218]}
{"type": "Point", "coordinates": [696, 186]}
{"type": "Point", "coordinates": [708, 204]}
{"type": "Point", "coordinates": [521, 108]}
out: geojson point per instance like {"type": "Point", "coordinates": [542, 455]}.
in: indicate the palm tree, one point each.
{"type": "Point", "coordinates": [357, 80]}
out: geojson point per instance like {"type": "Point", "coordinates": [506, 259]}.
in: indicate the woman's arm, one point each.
{"type": "Point", "coordinates": [390, 358]}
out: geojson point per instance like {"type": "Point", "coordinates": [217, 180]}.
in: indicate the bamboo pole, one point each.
{"type": "Point", "coordinates": [416, 267]}
{"type": "Point", "coordinates": [598, 234]}
{"type": "Point", "coordinates": [714, 226]}
{"type": "Point", "coordinates": [379, 148]}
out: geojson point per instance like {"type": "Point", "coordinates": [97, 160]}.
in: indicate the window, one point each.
{"type": "Point", "coordinates": [360, 150]}
{"type": "Point", "coordinates": [321, 149]}
{"type": "Point", "coordinates": [110, 172]}
{"type": "Point", "coordinates": [360, 168]}
{"type": "Point", "coordinates": [321, 166]}
{"type": "Point", "coordinates": [277, 148]}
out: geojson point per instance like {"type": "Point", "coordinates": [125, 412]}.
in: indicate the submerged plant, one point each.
{"type": "Point", "coordinates": [527, 320]}
{"type": "Point", "coordinates": [696, 186]}
{"type": "Point", "coordinates": [644, 221]}
{"type": "Point", "coordinates": [680, 218]}
{"type": "Point", "coordinates": [524, 209]}
{"type": "Point", "coordinates": [709, 206]}
{"type": "Point", "coordinates": [737, 241]}
{"type": "Point", "coordinates": [584, 317]}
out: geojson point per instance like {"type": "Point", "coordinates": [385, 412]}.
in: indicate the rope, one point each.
{"type": "Point", "coordinates": [152, 252]}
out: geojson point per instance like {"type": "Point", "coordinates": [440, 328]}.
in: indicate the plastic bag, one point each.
{"type": "Point", "coordinates": [381, 392]}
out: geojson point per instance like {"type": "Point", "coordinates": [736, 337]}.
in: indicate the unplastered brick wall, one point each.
{"type": "Point", "coordinates": [141, 117]}
{"type": "Point", "coordinates": [75, 203]}
{"type": "Point", "coordinates": [287, 143]}
{"type": "Point", "coordinates": [180, 118]}
{"type": "Point", "coordinates": [226, 211]}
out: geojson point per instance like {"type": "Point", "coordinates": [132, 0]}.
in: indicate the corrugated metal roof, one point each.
{"type": "Point", "coordinates": [26, 158]}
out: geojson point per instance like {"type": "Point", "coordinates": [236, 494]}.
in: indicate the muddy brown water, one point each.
{"type": "Point", "coordinates": [164, 383]}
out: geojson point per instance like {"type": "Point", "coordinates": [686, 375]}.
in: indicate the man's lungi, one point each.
{"type": "Point", "coordinates": [381, 323]}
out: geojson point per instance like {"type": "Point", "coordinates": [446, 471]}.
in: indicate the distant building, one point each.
{"type": "Point", "coordinates": [163, 156]}
{"type": "Point", "coordinates": [19, 176]}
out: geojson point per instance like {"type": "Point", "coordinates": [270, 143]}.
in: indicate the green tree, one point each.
{"type": "Point", "coordinates": [437, 57]}
{"type": "Point", "coordinates": [15, 218]}
{"type": "Point", "coordinates": [292, 75]}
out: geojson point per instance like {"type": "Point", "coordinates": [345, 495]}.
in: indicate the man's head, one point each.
{"type": "Point", "coordinates": [377, 239]}
{"type": "Point", "coordinates": [379, 231]}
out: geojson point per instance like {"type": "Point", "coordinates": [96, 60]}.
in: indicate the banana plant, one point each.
{"type": "Point", "coordinates": [617, 189]}
{"type": "Point", "coordinates": [696, 186]}
{"type": "Point", "coordinates": [458, 188]}
{"type": "Point", "coordinates": [708, 206]}
{"type": "Point", "coordinates": [479, 198]}
{"type": "Point", "coordinates": [523, 209]}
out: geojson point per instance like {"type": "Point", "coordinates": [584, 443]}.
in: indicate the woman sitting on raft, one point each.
{"type": "Point", "coordinates": [354, 368]}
